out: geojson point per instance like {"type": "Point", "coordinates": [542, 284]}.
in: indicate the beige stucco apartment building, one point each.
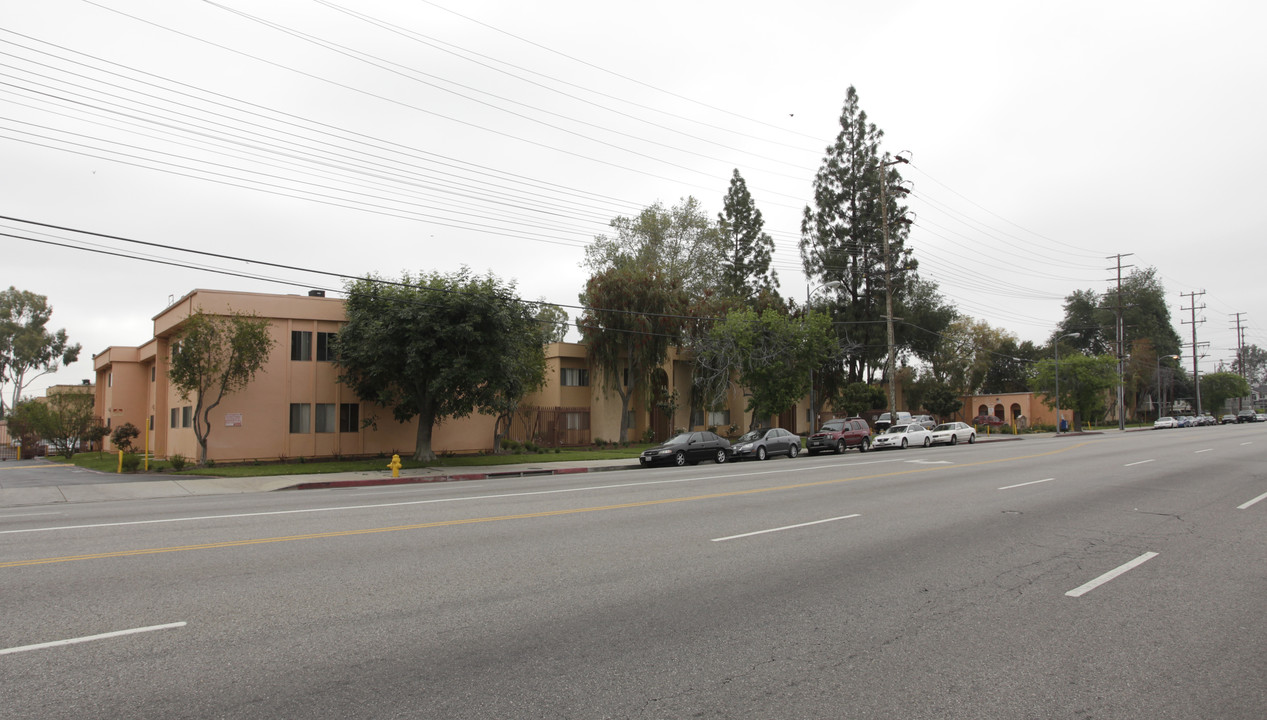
{"type": "Point", "coordinates": [295, 407]}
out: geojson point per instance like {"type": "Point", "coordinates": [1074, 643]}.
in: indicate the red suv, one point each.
{"type": "Point", "coordinates": [840, 433]}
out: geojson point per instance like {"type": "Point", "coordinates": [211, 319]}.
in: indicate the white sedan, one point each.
{"type": "Point", "coordinates": [953, 433]}
{"type": "Point", "coordinates": [1165, 422]}
{"type": "Point", "coordinates": [903, 436]}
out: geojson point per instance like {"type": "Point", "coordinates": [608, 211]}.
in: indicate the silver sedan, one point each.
{"type": "Point", "coordinates": [953, 433]}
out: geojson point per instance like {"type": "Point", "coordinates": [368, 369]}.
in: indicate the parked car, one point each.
{"type": "Point", "coordinates": [953, 433]}
{"type": "Point", "coordinates": [1260, 417]}
{"type": "Point", "coordinates": [925, 420]}
{"type": "Point", "coordinates": [882, 423]}
{"type": "Point", "coordinates": [1227, 419]}
{"type": "Point", "coordinates": [1245, 416]}
{"type": "Point", "coordinates": [764, 442]}
{"type": "Point", "coordinates": [903, 436]}
{"type": "Point", "coordinates": [687, 448]}
{"type": "Point", "coordinates": [838, 434]}
{"type": "Point", "coordinates": [1165, 422]}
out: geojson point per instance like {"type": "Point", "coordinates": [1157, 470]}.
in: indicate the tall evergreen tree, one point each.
{"type": "Point", "coordinates": [842, 240]}
{"type": "Point", "coordinates": [746, 269]}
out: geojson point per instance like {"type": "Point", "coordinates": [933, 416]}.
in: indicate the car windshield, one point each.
{"type": "Point", "coordinates": [682, 439]}
{"type": "Point", "coordinates": [833, 426]}
{"type": "Point", "coordinates": [943, 427]}
{"type": "Point", "coordinates": [752, 435]}
{"type": "Point", "coordinates": [896, 429]}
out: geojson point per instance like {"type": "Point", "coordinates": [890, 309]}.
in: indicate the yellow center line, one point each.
{"type": "Point", "coordinates": [521, 516]}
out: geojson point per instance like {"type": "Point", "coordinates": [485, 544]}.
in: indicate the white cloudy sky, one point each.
{"type": "Point", "coordinates": [385, 135]}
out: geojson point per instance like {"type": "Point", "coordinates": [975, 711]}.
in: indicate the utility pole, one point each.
{"type": "Point", "coordinates": [1240, 356]}
{"type": "Point", "coordinates": [889, 368]}
{"type": "Point", "coordinates": [1121, 354]}
{"type": "Point", "coordinates": [1196, 355]}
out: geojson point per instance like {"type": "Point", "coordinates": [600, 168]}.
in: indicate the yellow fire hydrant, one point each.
{"type": "Point", "coordinates": [395, 466]}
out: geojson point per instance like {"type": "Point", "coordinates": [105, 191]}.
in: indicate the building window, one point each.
{"type": "Point", "coordinates": [718, 418]}
{"type": "Point", "coordinates": [325, 417]}
{"type": "Point", "coordinates": [151, 427]}
{"type": "Point", "coordinates": [187, 416]}
{"type": "Point", "coordinates": [175, 417]}
{"type": "Point", "coordinates": [576, 421]}
{"type": "Point", "coordinates": [574, 377]}
{"type": "Point", "coordinates": [325, 346]}
{"type": "Point", "coordinates": [697, 417]}
{"type": "Point", "coordinates": [301, 345]}
{"type": "Point", "coordinates": [153, 373]}
{"type": "Point", "coordinates": [349, 417]}
{"type": "Point", "coordinates": [300, 418]}
{"type": "Point", "coordinates": [110, 379]}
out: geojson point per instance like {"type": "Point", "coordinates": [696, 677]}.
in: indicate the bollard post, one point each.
{"type": "Point", "coordinates": [120, 470]}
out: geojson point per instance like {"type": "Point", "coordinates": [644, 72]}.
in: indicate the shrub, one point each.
{"type": "Point", "coordinates": [211, 463]}
{"type": "Point", "coordinates": [123, 436]}
{"type": "Point", "coordinates": [131, 461]}
{"type": "Point", "coordinates": [177, 461]}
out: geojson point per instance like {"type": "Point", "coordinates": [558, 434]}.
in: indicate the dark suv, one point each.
{"type": "Point", "coordinates": [838, 434]}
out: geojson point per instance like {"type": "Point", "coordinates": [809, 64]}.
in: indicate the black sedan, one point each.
{"type": "Point", "coordinates": [764, 442]}
{"type": "Point", "coordinates": [687, 448]}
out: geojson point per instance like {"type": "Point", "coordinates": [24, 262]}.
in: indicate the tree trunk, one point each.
{"type": "Point", "coordinates": [426, 421]}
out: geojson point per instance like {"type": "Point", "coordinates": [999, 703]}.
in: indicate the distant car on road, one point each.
{"type": "Point", "coordinates": [1165, 422]}
{"type": "Point", "coordinates": [838, 434]}
{"type": "Point", "coordinates": [764, 442]}
{"type": "Point", "coordinates": [1245, 416]}
{"type": "Point", "coordinates": [687, 448]}
{"type": "Point", "coordinates": [1227, 419]}
{"type": "Point", "coordinates": [882, 423]}
{"type": "Point", "coordinates": [953, 433]}
{"type": "Point", "coordinates": [903, 436]}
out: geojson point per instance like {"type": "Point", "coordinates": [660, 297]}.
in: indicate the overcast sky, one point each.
{"type": "Point", "coordinates": [386, 135]}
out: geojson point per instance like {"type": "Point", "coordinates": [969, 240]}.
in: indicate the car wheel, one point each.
{"type": "Point", "coordinates": [793, 451]}
{"type": "Point", "coordinates": [972, 438]}
{"type": "Point", "coordinates": [865, 446]}
{"type": "Point", "coordinates": [840, 447]}
{"type": "Point", "coordinates": [903, 443]}
{"type": "Point", "coordinates": [679, 458]}
{"type": "Point", "coordinates": [761, 454]}
{"type": "Point", "coordinates": [720, 457]}
{"type": "Point", "coordinates": [642, 461]}
{"type": "Point", "coordinates": [928, 441]}
{"type": "Point", "coordinates": [954, 439]}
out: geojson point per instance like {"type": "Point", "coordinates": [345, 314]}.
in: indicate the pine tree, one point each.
{"type": "Point", "coordinates": [746, 272]}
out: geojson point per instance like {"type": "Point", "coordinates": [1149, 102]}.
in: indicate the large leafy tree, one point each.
{"type": "Point", "coordinates": [768, 354]}
{"type": "Point", "coordinates": [1084, 383]}
{"type": "Point", "coordinates": [681, 242]}
{"type": "Point", "coordinates": [842, 239]}
{"type": "Point", "coordinates": [969, 349]}
{"type": "Point", "coordinates": [553, 320]}
{"type": "Point", "coordinates": [1219, 387]}
{"type": "Point", "coordinates": [1251, 363]}
{"type": "Point", "coordinates": [434, 346]}
{"type": "Point", "coordinates": [214, 355]}
{"type": "Point", "coordinates": [632, 315]}
{"type": "Point", "coordinates": [64, 419]}
{"type": "Point", "coordinates": [26, 345]}
{"type": "Point", "coordinates": [1012, 366]}
{"type": "Point", "coordinates": [745, 269]}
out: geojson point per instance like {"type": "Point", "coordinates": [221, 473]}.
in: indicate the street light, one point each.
{"type": "Point", "coordinates": [1056, 348]}
{"type": "Point", "coordinates": [888, 287]}
{"type": "Point", "coordinates": [1157, 375]}
{"type": "Point", "coordinates": [813, 421]}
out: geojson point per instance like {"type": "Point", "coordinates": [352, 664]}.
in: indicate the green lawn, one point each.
{"type": "Point", "coordinates": [109, 462]}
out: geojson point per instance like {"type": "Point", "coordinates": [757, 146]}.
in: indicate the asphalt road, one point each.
{"type": "Point", "coordinates": [1114, 576]}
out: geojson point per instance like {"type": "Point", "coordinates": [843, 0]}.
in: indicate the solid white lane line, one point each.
{"type": "Point", "coordinates": [1088, 587]}
{"type": "Point", "coordinates": [1031, 482]}
{"type": "Point", "coordinates": [2, 517]}
{"type": "Point", "coordinates": [786, 527]}
{"type": "Point", "coordinates": [1141, 462]}
{"type": "Point", "coordinates": [1198, 452]}
{"type": "Point", "coordinates": [1251, 502]}
{"type": "Point", "coordinates": [89, 638]}
{"type": "Point", "coordinates": [1247, 443]}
